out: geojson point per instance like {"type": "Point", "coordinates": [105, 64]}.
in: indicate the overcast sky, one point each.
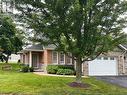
{"type": "Point", "coordinates": [125, 30]}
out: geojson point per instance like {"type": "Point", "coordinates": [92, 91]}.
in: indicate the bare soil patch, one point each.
{"type": "Point", "coordinates": [78, 85]}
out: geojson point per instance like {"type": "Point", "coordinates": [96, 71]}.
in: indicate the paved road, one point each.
{"type": "Point", "coordinates": [117, 80]}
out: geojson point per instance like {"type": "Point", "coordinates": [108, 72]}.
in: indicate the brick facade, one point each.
{"type": "Point", "coordinates": [45, 57]}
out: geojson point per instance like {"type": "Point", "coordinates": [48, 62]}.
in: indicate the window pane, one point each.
{"type": "Point", "coordinates": [68, 59]}
{"type": "Point", "coordinates": [105, 58]}
{"type": "Point", "coordinates": [54, 57]}
{"type": "Point", "coordinates": [61, 58]}
{"type": "Point", "coordinates": [112, 58]}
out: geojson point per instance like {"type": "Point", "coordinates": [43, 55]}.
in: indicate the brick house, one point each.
{"type": "Point", "coordinates": [39, 57]}
{"type": "Point", "coordinates": [112, 63]}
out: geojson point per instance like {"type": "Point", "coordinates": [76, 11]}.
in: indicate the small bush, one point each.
{"type": "Point", "coordinates": [65, 72]}
{"type": "Point", "coordinates": [66, 67]}
{"type": "Point", "coordinates": [31, 69]}
{"type": "Point", "coordinates": [52, 69]}
{"type": "Point", "coordinates": [24, 69]}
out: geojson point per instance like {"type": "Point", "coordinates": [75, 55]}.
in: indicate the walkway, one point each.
{"type": "Point", "coordinates": [45, 74]}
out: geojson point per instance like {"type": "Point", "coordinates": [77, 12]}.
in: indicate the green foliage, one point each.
{"type": "Point", "coordinates": [10, 41]}
{"type": "Point", "coordinates": [31, 69]}
{"type": "Point", "coordinates": [84, 28]}
{"type": "Point", "coordinates": [15, 67]}
{"type": "Point", "coordinates": [24, 69]}
{"type": "Point", "coordinates": [90, 26]}
{"type": "Point", "coordinates": [23, 84]}
{"type": "Point", "coordinates": [52, 69]}
{"type": "Point", "coordinates": [65, 72]}
{"type": "Point", "coordinates": [66, 67]}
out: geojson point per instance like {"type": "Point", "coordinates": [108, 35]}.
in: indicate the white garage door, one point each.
{"type": "Point", "coordinates": [103, 66]}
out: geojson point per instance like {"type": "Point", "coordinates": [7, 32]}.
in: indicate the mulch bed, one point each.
{"type": "Point", "coordinates": [78, 85]}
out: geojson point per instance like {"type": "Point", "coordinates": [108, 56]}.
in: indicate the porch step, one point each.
{"type": "Point", "coordinates": [38, 70]}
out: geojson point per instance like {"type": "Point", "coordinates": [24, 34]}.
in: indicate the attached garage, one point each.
{"type": "Point", "coordinates": [103, 66]}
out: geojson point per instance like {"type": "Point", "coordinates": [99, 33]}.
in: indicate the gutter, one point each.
{"type": "Point", "coordinates": [123, 47]}
{"type": "Point", "coordinates": [32, 50]}
{"type": "Point", "coordinates": [124, 62]}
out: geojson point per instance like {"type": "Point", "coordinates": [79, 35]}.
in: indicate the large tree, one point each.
{"type": "Point", "coordinates": [10, 41]}
{"type": "Point", "coordinates": [85, 28]}
{"type": "Point", "coordinates": [6, 6]}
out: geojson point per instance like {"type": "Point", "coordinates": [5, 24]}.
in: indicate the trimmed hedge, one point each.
{"type": "Point", "coordinates": [65, 72]}
{"type": "Point", "coordinates": [66, 67]}
{"type": "Point", "coordinates": [58, 69]}
{"type": "Point", "coordinates": [52, 69]}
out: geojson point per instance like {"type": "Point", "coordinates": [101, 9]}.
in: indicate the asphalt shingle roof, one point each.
{"type": "Point", "coordinates": [50, 46]}
{"type": "Point", "coordinates": [35, 47]}
{"type": "Point", "coordinates": [38, 47]}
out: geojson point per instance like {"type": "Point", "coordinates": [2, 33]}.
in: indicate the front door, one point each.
{"type": "Point", "coordinates": [35, 60]}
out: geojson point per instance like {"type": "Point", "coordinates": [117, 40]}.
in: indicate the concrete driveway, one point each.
{"type": "Point", "coordinates": [117, 80]}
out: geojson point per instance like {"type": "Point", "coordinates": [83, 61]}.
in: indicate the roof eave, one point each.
{"type": "Point", "coordinates": [32, 50]}
{"type": "Point", "coordinates": [123, 47]}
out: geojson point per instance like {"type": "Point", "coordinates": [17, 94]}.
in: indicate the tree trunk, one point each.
{"type": "Point", "coordinates": [6, 61]}
{"type": "Point", "coordinates": [78, 70]}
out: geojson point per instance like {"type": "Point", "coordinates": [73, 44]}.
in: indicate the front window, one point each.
{"type": "Point", "coordinates": [54, 57]}
{"type": "Point", "coordinates": [68, 59]}
{"type": "Point", "coordinates": [61, 58]}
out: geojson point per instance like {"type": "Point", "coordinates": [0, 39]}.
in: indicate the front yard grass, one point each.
{"type": "Point", "coordinates": [17, 83]}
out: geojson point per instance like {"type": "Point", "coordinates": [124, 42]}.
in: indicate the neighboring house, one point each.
{"type": "Point", "coordinates": [14, 58]}
{"type": "Point", "coordinates": [112, 63]}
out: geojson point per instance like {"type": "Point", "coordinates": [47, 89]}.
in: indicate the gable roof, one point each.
{"type": "Point", "coordinates": [50, 47]}
{"type": "Point", "coordinates": [38, 47]}
{"type": "Point", "coordinates": [35, 47]}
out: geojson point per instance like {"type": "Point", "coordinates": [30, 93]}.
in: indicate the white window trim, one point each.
{"type": "Point", "coordinates": [64, 58]}
{"type": "Point", "coordinates": [60, 58]}
{"type": "Point", "coordinates": [56, 57]}
{"type": "Point", "coordinates": [70, 60]}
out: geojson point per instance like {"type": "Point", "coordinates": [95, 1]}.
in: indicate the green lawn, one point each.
{"type": "Point", "coordinates": [17, 83]}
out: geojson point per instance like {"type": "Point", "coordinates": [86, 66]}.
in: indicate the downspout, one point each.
{"type": "Point", "coordinates": [123, 62]}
